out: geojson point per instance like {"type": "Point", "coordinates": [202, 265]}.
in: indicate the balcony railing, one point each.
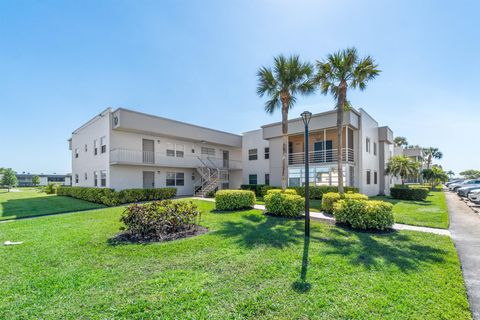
{"type": "Point", "coordinates": [127, 156]}
{"type": "Point", "coordinates": [323, 156]}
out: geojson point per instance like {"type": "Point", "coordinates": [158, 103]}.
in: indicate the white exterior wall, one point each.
{"type": "Point", "coordinates": [87, 162]}
{"type": "Point", "coordinates": [368, 160]}
{"type": "Point", "coordinates": [261, 166]}
{"type": "Point", "coordinates": [127, 177]}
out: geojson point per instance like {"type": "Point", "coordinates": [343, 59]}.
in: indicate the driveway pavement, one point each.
{"type": "Point", "coordinates": [465, 231]}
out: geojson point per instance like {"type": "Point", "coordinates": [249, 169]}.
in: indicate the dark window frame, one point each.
{"type": "Point", "coordinates": [252, 177]}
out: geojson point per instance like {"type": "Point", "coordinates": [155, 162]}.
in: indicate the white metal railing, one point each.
{"type": "Point", "coordinates": [128, 156]}
{"type": "Point", "coordinates": [323, 156]}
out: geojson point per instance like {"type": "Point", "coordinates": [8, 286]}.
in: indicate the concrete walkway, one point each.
{"type": "Point", "coordinates": [465, 229]}
{"type": "Point", "coordinates": [320, 216]}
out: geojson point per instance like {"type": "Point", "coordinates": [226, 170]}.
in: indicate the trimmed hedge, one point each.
{"type": "Point", "coordinates": [287, 191]}
{"type": "Point", "coordinates": [161, 220]}
{"type": "Point", "coordinates": [330, 198]}
{"type": "Point", "coordinates": [110, 197]}
{"type": "Point", "coordinates": [417, 194]}
{"type": "Point", "coordinates": [234, 199]}
{"type": "Point", "coordinates": [256, 188]}
{"type": "Point", "coordinates": [284, 204]}
{"type": "Point", "coordinates": [364, 214]}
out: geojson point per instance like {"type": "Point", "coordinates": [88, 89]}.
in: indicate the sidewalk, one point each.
{"type": "Point", "coordinates": [320, 216]}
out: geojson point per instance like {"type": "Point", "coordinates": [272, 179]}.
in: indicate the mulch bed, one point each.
{"type": "Point", "coordinates": [128, 237]}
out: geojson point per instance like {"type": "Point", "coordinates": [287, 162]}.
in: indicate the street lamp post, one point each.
{"type": "Point", "coordinates": [306, 119]}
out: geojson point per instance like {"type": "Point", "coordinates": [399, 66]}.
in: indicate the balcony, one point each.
{"type": "Point", "coordinates": [149, 158]}
{"type": "Point", "coordinates": [321, 157]}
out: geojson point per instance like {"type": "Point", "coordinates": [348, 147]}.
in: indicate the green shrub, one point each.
{"type": "Point", "coordinates": [161, 220]}
{"type": "Point", "coordinates": [234, 199]}
{"type": "Point", "coordinates": [111, 197]}
{"type": "Point", "coordinates": [417, 194]}
{"type": "Point", "coordinates": [51, 188]}
{"type": "Point", "coordinates": [256, 188]}
{"type": "Point", "coordinates": [317, 192]}
{"type": "Point", "coordinates": [265, 189]}
{"type": "Point", "coordinates": [210, 194]}
{"type": "Point", "coordinates": [287, 191]}
{"type": "Point", "coordinates": [364, 214]}
{"type": "Point", "coordinates": [284, 204]}
{"type": "Point", "coordinates": [330, 198]}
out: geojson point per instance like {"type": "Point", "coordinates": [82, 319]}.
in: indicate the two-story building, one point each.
{"type": "Point", "coordinates": [127, 149]}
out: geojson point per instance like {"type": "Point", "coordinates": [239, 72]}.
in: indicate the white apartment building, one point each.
{"type": "Point", "coordinates": [123, 149]}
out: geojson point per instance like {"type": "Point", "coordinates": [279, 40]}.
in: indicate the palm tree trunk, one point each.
{"type": "Point", "coordinates": [285, 103]}
{"type": "Point", "coordinates": [342, 97]}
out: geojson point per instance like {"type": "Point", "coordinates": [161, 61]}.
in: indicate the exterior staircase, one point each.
{"type": "Point", "coordinates": [211, 177]}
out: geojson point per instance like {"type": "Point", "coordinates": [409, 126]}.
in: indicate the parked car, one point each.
{"type": "Point", "coordinates": [474, 196]}
{"type": "Point", "coordinates": [464, 191]}
{"type": "Point", "coordinates": [466, 183]}
{"type": "Point", "coordinates": [454, 181]}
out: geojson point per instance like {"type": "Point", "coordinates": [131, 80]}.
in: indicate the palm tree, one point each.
{"type": "Point", "coordinates": [430, 154]}
{"type": "Point", "coordinates": [400, 141]}
{"type": "Point", "coordinates": [450, 173]}
{"type": "Point", "coordinates": [338, 72]}
{"type": "Point", "coordinates": [289, 77]}
{"type": "Point", "coordinates": [403, 167]}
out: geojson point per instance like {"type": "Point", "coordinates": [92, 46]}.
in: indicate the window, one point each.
{"type": "Point", "coordinates": [86, 147]}
{"type": "Point", "coordinates": [375, 177]}
{"type": "Point", "coordinates": [252, 179]}
{"type": "Point", "coordinates": [367, 145]}
{"type": "Point", "coordinates": [76, 152]}
{"type": "Point", "coordinates": [267, 179]}
{"type": "Point", "coordinates": [95, 178]}
{"type": "Point", "coordinates": [76, 178]}
{"type": "Point", "coordinates": [374, 148]}
{"type": "Point", "coordinates": [175, 179]}
{"type": "Point", "coordinates": [85, 175]}
{"type": "Point", "coordinates": [368, 177]}
{"type": "Point", "coordinates": [103, 178]}
{"type": "Point", "coordinates": [208, 151]}
{"type": "Point", "coordinates": [175, 150]}
{"type": "Point", "coordinates": [103, 144]}
{"type": "Point", "coordinates": [170, 150]}
{"type": "Point", "coordinates": [95, 147]}
{"type": "Point", "coordinates": [252, 154]}
{"type": "Point", "coordinates": [267, 153]}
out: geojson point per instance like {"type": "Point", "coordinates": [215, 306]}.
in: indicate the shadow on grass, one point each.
{"type": "Point", "coordinates": [254, 230]}
{"type": "Point", "coordinates": [302, 285]}
{"type": "Point", "coordinates": [395, 201]}
{"type": "Point", "coordinates": [372, 250]}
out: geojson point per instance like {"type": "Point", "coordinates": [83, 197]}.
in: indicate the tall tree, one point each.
{"type": "Point", "coordinates": [470, 174]}
{"type": "Point", "coordinates": [403, 167]}
{"type": "Point", "coordinates": [400, 142]}
{"type": "Point", "coordinates": [290, 77]}
{"type": "Point", "coordinates": [36, 180]}
{"type": "Point", "coordinates": [335, 74]}
{"type": "Point", "coordinates": [9, 179]}
{"type": "Point", "coordinates": [450, 173]}
{"type": "Point", "coordinates": [430, 154]}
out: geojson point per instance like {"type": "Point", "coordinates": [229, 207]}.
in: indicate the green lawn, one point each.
{"type": "Point", "coordinates": [248, 266]}
{"type": "Point", "coordinates": [31, 202]}
{"type": "Point", "coordinates": [429, 213]}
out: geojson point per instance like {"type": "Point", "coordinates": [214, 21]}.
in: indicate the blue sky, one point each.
{"type": "Point", "coordinates": [62, 62]}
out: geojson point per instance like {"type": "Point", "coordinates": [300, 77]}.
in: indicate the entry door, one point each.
{"type": "Point", "coordinates": [148, 179]}
{"type": "Point", "coordinates": [148, 151]}
{"type": "Point", "coordinates": [226, 157]}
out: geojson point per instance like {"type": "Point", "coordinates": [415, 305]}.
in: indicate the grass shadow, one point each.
{"type": "Point", "coordinates": [302, 285]}
{"type": "Point", "coordinates": [374, 249]}
{"type": "Point", "coordinates": [254, 230]}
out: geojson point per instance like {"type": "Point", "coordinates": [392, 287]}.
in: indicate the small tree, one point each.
{"type": "Point", "coordinates": [450, 174]}
{"type": "Point", "coordinates": [430, 154]}
{"type": "Point", "coordinates": [36, 180]}
{"type": "Point", "coordinates": [9, 179]}
{"type": "Point", "coordinates": [434, 176]}
{"type": "Point", "coordinates": [470, 174]}
{"type": "Point", "coordinates": [400, 142]}
{"type": "Point", "coordinates": [403, 167]}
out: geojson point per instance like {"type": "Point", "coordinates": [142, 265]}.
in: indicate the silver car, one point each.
{"type": "Point", "coordinates": [474, 196]}
{"type": "Point", "coordinates": [464, 191]}
{"type": "Point", "coordinates": [466, 183]}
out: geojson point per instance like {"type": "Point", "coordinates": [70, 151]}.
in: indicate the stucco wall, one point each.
{"type": "Point", "coordinates": [260, 167]}
{"type": "Point", "coordinates": [368, 160]}
{"type": "Point", "coordinates": [87, 161]}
